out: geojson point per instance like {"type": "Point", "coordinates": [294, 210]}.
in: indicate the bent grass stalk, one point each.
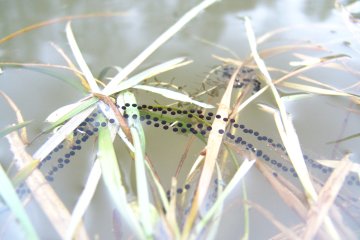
{"type": "Point", "coordinates": [287, 133]}
{"type": "Point", "coordinates": [212, 151]}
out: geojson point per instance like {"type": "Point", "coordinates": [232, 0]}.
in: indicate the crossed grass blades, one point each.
{"type": "Point", "coordinates": [106, 165]}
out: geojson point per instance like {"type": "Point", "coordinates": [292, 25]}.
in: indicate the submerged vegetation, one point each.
{"type": "Point", "coordinates": [110, 112]}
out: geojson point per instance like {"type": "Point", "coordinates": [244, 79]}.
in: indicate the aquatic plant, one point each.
{"type": "Point", "coordinates": [110, 111]}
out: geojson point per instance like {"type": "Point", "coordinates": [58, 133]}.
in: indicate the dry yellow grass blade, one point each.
{"type": "Point", "coordinates": [19, 116]}
{"type": "Point", "coordinates": [228, 60]}
{"type": "Point", "coordinates": [80, 59]}
{"type": "Point", "coordinates": [315, 90]}
{"type": "Point", "coordinates": [214, 213]}
{"type": "Point", "coordinates": [199, 160]}
{"type": "Point", "coordinates": [298, 229]}
{"type": "Point", "coordinates": [218, 46]}
{"type": "Point", "coordinates": [301, 70]}
{"type": "Point", "coordinates": [301, 168]}
{"type": "Point", "coordinates": [287, 130]}
{"type": "Point", "coordinates": [313, 81]}
{"type": "Point", "coordinates": [184, 155]}
{"type": "Point", "coordinates": [291, 195]}
{"type": "Point", "coordinates": [72, 66]}
{"type": "Point", "coordinates": [171, 211]}
{"type": "Point", "coordinates": [327, 195]}
{"type": "Point", "coordinates": [299, 28]}
{"type": "Point", "coordinates": [269, 52]}
{"type": "Point", "coordinates": [42, 65]}
{"type": "Point", "coordinates": [285, 190]}
{"type": "Point", "coordinates": [334, 164]}
{"type": "Point", "coordinates": [58, 20]}
{"type": "Point", "coordinates": [45, 196]}
{"type": "Point", "coordinates": [306, 60]}
{"type": "Point", "coordinates": [212, 151]}
{"type": "Point", "coordinates": [281, 227]}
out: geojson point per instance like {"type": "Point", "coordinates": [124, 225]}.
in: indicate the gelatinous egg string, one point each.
{"type": "Point", "coordinates": [185, 121]}
{"type": "Point", "coordinates": [197, 123]}
{"type": "Point", "coordinates": [66, 151]}
{"type": "Point", "coordinates": [241, 138]}
{"type": "Point", "coordinates": [190, 121]}
{"type": "Point", "coordinates": [199, 127]}
{"type": "Point", "coordinates": [279, 164]}
{"type": "Point", "coordinates": [247, 77]}
{"type": "Point", "coordinates": [185, 196]}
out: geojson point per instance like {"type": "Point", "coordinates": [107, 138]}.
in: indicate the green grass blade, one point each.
{"type": "Point", "coordinates": [84, 200]}
{"type": "Point", "coordinates": [192, 13]}
{"type": "Point", "coordinates": [353, 136]}
{"type": "Point", "coordinates": [61, 134]}
{"type": "Point", "coordinates": [80, 59]}
{"type": "Point", "coordinates": [240, 173]}
{"type": "Point", "coordinates": [141, 184]}
{"type": "Point", "coordinates": [66, 114]}
{"type": "Point", "coordinates": [8, 194]}
{"type": "Point", "coordinates": [128, 97]}
{"type": "Point", "coordinates": [24, 172]}
{"type": "Point", "coordinates": [111, 176]}
{"type": "Point", "coordinates": [12, 128]}
{"type": "Point", "coordinates": [173, 95]}
{"type": "Point", "coordinates": [143, 195]}
{"type": "Point", "coordinates": [42, 68]}
{"type": "Point", "coordinates": [213, 225]}
{"type": "Point", "coordinates": [148, 73]}
{"type": "Point", "coordinates": [289, 136]}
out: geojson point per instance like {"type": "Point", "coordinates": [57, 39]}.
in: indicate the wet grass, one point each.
{"type": "Point", "coordinates": [154, 213]}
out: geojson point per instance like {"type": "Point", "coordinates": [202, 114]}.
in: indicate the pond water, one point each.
{"type": "Point", "coordinates": [117, 39]}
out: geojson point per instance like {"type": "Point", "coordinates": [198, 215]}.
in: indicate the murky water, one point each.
{"type": "Point", "coordinates": [116, 40]}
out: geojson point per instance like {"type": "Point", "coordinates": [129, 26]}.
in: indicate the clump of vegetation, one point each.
{"type": "Point", "coordinates": [156, 213]}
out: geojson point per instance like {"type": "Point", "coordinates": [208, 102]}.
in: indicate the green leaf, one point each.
{"type": "Point", "coordinates": [66, 114]}
{"type": "Point", "coordinates": [234, 182]}
{"type": "Point", "coordinates": [173, 95]}
{"type": "Point", "coordinates": [138, 137]}
{"type": "Point", "coordinates": [24, 172]}
{"type": "Point", "coordinates": [62, 133]}
{"type": "Point", "coordinates": [128, 97]}
{"type": "Point", "coordinates": [356, 135]}
{"type": "Point", "coordinates": [159, 41]}
{"type": "Point", "coordinates": [12, 128]}
{"type": "Point", "coordinates": [148, 73]}
{"type": "Point", "coordinates": [112, 178]}
{"type": "Point", "coordinates": [8, 194]}
{"type": "Point", "coordinates": [80, 59]}
{"type": "Point", "coordinates": [42, 68]}
{"type": "Point", "coordinates": [84, 200]}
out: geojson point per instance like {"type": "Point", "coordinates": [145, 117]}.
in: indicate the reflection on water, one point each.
{"type": "Point", "coordinates": [108, 41]}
